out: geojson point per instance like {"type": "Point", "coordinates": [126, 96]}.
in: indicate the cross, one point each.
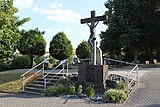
{"type": "Point", "coordinates": [92, 40]}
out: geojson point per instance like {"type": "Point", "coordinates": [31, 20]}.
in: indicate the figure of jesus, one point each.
{"type": "Point", "coordinates": [91, 35]}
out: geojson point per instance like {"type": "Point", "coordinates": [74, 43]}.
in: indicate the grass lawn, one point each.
{"type": "Point", "coordinates": [11, 81]}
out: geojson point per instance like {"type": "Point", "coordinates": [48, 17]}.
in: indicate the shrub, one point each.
{"type": "Point", "coordinates": [79, 89]}
{"type": "Point", "coordinates": [21, 62]}
{"type": "Point", "coordinates": [90, 91]}
{"type": "Point", "coordinates": [114, 96]}
{"type": "Point", "coordinates": [122, 85]}
{"type": "Point", "coordinates": [39, 59]}
{"type": "Point", "coordinates": [56, 90]}
{"type": "Point", "coordinates": [4, 67]}
{"type": "Point", "coordinates": [72, 89]}
{"type": "Point", "coordinates": [64, 81]}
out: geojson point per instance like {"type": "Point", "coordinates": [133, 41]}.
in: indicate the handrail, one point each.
{"type": "Point", "coordinates": [120, 61]}
{"type": "Point", "coordinates": [134, 78]}
{"type": "Point", "coordinates": [23, 75]}
{"type": "Point", "coordinates": [62, 62]}
{"type": "Point", "coordinates": [132, 70]}
{"type": "Point", "coordinates": [135, 68]}
{"type": "Point", "coordinates": [54, 76]}
{"type": "Point", "coordinates": [44, 77]}
{"type": "Point", "coordinates": [33, 68]}
{"type": "Point", "coordinates": [32, 75]}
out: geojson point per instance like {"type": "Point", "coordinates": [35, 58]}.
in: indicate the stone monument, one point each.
{"type": "Point", "coordinates": [96, 73]}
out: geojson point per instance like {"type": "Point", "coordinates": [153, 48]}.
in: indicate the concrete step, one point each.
{"type": "Point", "coordinates": [33, 89]}
{"type": "Point", "coordinates": [35, 85]}
{"type": "Point", "coordinates": [53, 74]}
{"type": "Point", "coordinates": [47, 79]}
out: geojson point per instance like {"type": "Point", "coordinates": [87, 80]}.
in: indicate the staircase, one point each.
{"type": "Point", "coordinates": [38, 86]}
{"type": "Point", "coordinates": [45, 79]}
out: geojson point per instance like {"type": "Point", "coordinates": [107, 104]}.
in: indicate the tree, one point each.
{"type": "Point", "coordinates": [83, 50]}
{"type": "Point", "coordinates": [32, 43]}
{"type": "Point", "coordinates": [60, 47]}
{"type": "Point", "coordinates": [9, 28]}
{"type": "Point", "coordinates": [132, 28]}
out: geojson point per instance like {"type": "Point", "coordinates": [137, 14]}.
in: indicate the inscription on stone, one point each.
{"type": "Point", "coordinates": [90, 74]}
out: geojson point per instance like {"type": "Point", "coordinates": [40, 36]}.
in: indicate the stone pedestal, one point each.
{"type": "Point", "coordinates": [93, 74]}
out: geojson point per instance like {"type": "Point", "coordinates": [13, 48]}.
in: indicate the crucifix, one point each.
{"type": "Point", "coordinates": [92, 39]}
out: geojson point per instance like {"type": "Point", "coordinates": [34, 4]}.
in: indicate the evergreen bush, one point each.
{"type": "Point", "coordinates": [114, 96]}
{"type": "Point", "coordinates": [72, 89]}
{"type": "Point", "coordinates": [21, 62]}
{"type": "Point", "coordinates": [56, 90]}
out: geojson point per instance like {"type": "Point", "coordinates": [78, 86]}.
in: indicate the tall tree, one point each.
{"type": "Point", "coordinates": [60, 47]}
{"type": "Point", "coordinates": [135, 25]}
{"type": "Point", "coordinates": [9, 28]}
{"type": "Point", "coordinates": [83, 50]}
{"type": "Point", "coordinates": [32, 43]}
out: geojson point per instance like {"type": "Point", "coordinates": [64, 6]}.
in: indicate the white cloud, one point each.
{"type": "Point", "coordinates": [55, 4]}
{"type": "Point", "coordinates": [58, 14]}
{"type": "Point", "coordinates": [61, 15]}
{"type": "Point", "coordinates": [22, 4]}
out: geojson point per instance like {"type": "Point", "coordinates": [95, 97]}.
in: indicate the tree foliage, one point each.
{"type": "Point", "coordinates": [32, 43]}
{"type": "Point", "coordinates": [60, 47]}
{"type": "Point", "coordinates": [83, 50]}
{"type": "Point", "coordinates": [9, 32]}
{"type": "Point", "coordinates": [132, 29]}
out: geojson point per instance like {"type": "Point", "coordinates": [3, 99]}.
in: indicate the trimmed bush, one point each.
{"type": "Point", "coordinates": [64, 81]}
{"type": "Point", "coordinates": [21, 62]}
{"type": "Point", "coordinates": [56, 90]}
{"type": "Point", "coordinates": [90, 91]}
{"type": "Point", "coordinates": [114, 96]}
{"type": "Point", "coordinates": [72, 89]}
{"type": "Point", "coordinates": [121, 85]}
{"type": "Point", "coordinates": [79, 89]}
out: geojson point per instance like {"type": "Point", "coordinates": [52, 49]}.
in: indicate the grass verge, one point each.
{"type": "Point", "coordinates": [11, 81]}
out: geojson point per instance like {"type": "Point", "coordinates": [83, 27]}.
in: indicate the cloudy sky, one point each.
{"type": "Point", "coordinates": [53, 16]}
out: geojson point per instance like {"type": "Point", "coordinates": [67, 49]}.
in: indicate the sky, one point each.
{"type": "Point", "coordinates": [53, 16]}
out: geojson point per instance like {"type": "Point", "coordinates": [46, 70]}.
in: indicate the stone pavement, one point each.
{"type": "Point", "coordinates": [146, 94]}
{"type": "Point", "coordinates": [25, 100]}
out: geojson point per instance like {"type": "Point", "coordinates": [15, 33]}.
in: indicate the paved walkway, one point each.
{"type": "Point", "coordinates": [147, 94]}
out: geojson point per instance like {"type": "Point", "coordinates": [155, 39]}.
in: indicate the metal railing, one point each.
{"type": "Point", "coordinates": [114, 60]}
{"type": "Point", "coordinates": [132, 75]}
{"type": "Point", "coordinates": [26, 78]}
{"type": "Point", "coordinates": [61, 71]}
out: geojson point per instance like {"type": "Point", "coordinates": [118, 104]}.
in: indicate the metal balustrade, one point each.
{"type": "Point", "coordinates": [26, 78]}
{"type": "Point", "coordinates": [132, 75]}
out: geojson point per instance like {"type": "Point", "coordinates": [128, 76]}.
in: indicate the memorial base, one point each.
{"type": "Point", "coordinates": [93, 75]}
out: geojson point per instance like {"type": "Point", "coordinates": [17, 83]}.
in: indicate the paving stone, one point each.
{"type": "Point", "coordinates": [147, 93]}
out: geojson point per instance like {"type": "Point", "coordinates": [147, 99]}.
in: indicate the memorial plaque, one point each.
{"type": "Point", "coordinates": [90, 73]}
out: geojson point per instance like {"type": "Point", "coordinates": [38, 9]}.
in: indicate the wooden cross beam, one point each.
{"type": "Point", "coordinates": [92, 39]}
{"type": "Point", "coordinates": [93, 18]}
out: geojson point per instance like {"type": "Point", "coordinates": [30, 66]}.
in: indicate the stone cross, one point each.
{"type": "Point", "coordinates": [92, 40]}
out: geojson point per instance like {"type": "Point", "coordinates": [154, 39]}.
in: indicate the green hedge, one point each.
{"type": "Point", "coordinates": [21, 62]}
{"type": "Point", "coordinates": [114, 96]}
{"type": "Point", "coordinates": [4, 66]}
{"type": "Point", "coordinates": [56, 90]}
